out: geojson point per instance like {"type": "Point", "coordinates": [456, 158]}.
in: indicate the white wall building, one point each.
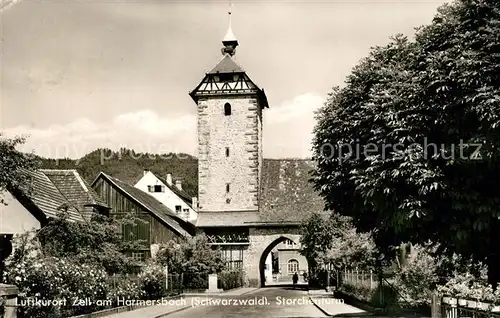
{"type": "Point", "coordinates": [170, 194]}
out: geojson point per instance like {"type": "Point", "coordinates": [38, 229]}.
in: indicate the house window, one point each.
{"type": "Point", "coordinates": [138, 256]}
{"type": "Point", "coordinates": [227, 187]}
{"type": "Point", "coordinates": [293, 266]}
{"type": "Point", "coordinates": [185, 213]}
{"type": "Point", "coordinates": [227, 109]}
{"type": "Point", "coordinates": [227, 152]}
{"type": "Point", "coordinates": [156, 188]}
{"type": "Point", "coordinates": [178, 209]}
{"type": "Point", "coordinates": [233, 258]}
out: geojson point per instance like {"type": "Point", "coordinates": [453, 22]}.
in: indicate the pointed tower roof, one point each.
{"type": "Point", "coordinates": [227, 77]}
{"type": "Point", "coordinates": [230, 37]}
{"type": "Point", "coordinates": [230, 42]}
{"type": "Point", "coordinates": [226, 65]}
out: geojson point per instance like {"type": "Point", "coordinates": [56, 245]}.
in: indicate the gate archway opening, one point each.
{"type": "Point", "coordinates": [280, 261]}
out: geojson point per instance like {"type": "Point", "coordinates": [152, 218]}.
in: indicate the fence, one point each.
{"type": "Point", "coordinates": [462, 308]}
{"type": "Point", "coordinates": [359, 279]}
{"type": "Point", "coordinates": [367, 286]}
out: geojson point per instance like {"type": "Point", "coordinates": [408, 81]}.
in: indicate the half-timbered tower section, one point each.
{"type": "Point", "coordinates": [247, 206]}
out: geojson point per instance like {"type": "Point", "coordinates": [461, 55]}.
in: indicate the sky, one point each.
{"type": "Point", "coordinates": [84, 74]}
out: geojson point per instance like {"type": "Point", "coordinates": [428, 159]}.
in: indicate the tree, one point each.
{"type": "Point", "coordinates": [336, 241]}
{"type": "Point", "coordinates": [409, 148]}
{"type": "Point", "coordinates": [350, 248]}
{"type": "Point", "coordinates": [316, 239]}
{"type": "Point", "coordinates": [98, 241]}
{"type": "Point", "coordinates": [12, 163]}
{"type": "Point", "coordinates": [194, 256]}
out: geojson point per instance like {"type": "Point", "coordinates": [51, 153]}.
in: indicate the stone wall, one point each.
{"type": "Point", "coordinates": [262, 241]}
{"type": "Point", "coordinates": [241, 133]}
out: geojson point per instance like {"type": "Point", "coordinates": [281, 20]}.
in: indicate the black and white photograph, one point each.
{"type": "Point", "coordinates": [249, 158]}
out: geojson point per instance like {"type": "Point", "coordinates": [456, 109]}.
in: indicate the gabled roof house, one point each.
{"type": "Point", "coordinates": [170, 194]}
{"type": "Point", "coordinates": [50, 191]}
{"type": "Point", "coordinates": [160, 223]}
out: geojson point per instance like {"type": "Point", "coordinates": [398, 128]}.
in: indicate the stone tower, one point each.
{"type": "Point", "coordinates": [229, 137]}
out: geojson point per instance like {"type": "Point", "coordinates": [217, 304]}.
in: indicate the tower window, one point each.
{"type": "Point", "coordinates": [227, 187]}
{"type": "Point", "coordinates": [227, 109]}
{"type": "Point", "coordinates": [227, 152]}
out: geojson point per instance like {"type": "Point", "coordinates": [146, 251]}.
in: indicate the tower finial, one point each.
{"type": "Point", "coordinates": [229, 41]}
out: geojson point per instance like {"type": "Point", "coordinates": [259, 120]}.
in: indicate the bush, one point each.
{"type": "Point", "coordinates": [253, 282]}
{"type": "Point", "coordinates": [230, 279]}
{"type": "Point", "coordinates": [123, 288]}
{"type": "Point", "coordinates": [195, 281]}
{"type": "Point", "coordinates": [417, 278]}
{"type": "Point", "coordinates": [152, 281]}
{"type": "Point", "coordinates": [49, 279]}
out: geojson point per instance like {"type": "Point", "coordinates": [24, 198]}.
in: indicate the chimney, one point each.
{"type": "Point", "coordinates": [178, 184]}
{"type": "Point", "coordinates": [195, 203]}
{"type": "Point", "coordinates": [145, 171]}
{"type": "Point", "coordinates": [169, 179]}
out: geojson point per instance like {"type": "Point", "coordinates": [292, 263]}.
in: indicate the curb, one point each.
{"type": "Point", "coordinates": [248, 292]}
{"type": "Point", "coordinates": [173, 312]}
{"type": "Point", "coordinates": [326, 313]}
{"type": "Point", "coordinates": [187, 307]}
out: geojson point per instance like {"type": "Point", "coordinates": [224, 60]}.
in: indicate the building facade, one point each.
{"type": "Point", "coordinates": [169, 193]}
{"type": "Point", "coordinates": [155, 223]}
{"type": "Point", "coordinates": [247, 205]}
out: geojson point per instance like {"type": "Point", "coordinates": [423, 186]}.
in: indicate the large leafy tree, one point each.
{"type": "Point", "coordinates": [410, 146]}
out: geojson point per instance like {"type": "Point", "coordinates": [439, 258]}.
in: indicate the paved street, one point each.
{"type": "Point", "coordinates": [265, 302]}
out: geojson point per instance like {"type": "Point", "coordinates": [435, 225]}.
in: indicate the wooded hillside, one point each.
{"type": "Point", "coordinates": [128, 166]}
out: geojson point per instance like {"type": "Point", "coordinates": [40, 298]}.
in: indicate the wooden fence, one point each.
{"type": "Point", "coordinates": [363, 279]}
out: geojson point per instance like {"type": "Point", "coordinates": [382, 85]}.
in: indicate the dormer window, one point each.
{"type": "Point", "coordinates": [227, 109]}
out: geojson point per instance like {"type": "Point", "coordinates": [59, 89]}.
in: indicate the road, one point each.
{"type": "Point", "coordinates": [265, 302]}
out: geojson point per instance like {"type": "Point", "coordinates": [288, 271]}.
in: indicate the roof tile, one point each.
{"type": "Point", "coordinates": [76, 190]}
{"type": "Point", "coordinates": [47, 197]}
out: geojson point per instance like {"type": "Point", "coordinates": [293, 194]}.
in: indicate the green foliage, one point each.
{"type": "Point", "coordinates": [123, 288]}
{"type": "Point", "coordinates": [152, 281]}
{"type": "Point", "coordinates": [56, 279]}
{"type": "Point", "coordinates": [95, 242]}
{"type": "Point", "coordinates": [440, 89]}
{"type": "Point", "coordinates": [335, 240]}
{"type": "Point", "coordinates": [417, 278]}
{"type": "Point", "coordinates": [350, 248]}
{"type": "Point", "coordinates": [194, 256]}
{"type": "Point", "coordinates": [12, 163]}
{"type": "Point", "coordinates": [316, 239]}
{"type": "Point", "coordinates": [128, 166]}
{"type": "Point", "coordinates": [230, 279]}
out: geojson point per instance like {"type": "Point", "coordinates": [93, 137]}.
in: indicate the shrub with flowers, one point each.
{"type": "Point", "coordinates": [152, 281]}
{"type": "Point", "coordinates": [123, 288]}
{"type": "Point", "coordinates": [50, 280]}
{"type": "Point", "coordinates": [467, 286]}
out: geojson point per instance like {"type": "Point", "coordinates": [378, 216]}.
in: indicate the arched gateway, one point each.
{"type": "Point", "coordinates": [246, 203]}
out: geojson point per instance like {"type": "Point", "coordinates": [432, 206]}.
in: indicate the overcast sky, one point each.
{"type": "Point", "coordinates": [77, 75]}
